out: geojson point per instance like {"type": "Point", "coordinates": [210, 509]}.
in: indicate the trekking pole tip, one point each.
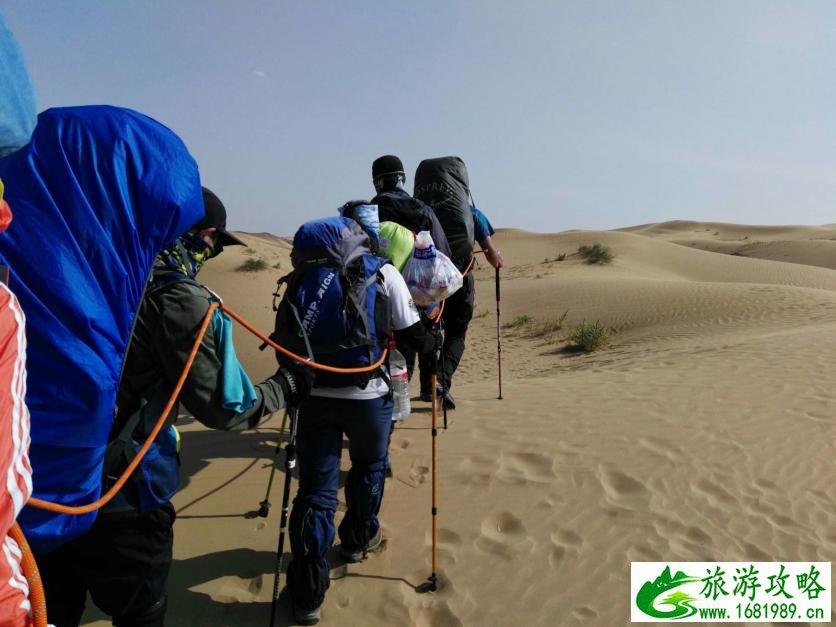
{"type": "Point", "coordinates": [430, 585]}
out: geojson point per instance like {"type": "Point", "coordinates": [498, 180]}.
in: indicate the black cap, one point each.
{"type": "Point", "coordinates": [215, 217]}
{"type": "Point", "coordinates": [387, 164]}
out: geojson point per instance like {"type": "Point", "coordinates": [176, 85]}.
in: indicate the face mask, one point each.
{"type": "Point", "coordinates": [188, 255]}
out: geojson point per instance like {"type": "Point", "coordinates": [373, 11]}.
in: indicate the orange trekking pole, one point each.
{"type": "Point", "coordinates": [431, 585]}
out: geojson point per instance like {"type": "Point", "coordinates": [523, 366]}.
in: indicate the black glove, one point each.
{"type": "Point", "coordinates": [296, 383]}
{"type": "Point", "coordinates": [438, 337]}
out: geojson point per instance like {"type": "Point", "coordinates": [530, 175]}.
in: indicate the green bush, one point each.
{"type": "Point", "coordinates": [519, 322]}
{"type": "Point", "coordinates": [548, 327]}
{"type": "Point", "coordinates": [597, 253]}
{"type": "Point", "coordinates": [252, 265]}
{"type": "Point", "coordinates": [589, 337]}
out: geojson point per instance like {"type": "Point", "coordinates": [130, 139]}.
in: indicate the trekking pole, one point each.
{"type": "Point", "coordinates": [431, 585]}
{"type": "Point", "coordinates": [289, 465]}
{"type": "Point", "coordinates": [264, 506]}
{"type": "Point", "coordinates": [498, 345]}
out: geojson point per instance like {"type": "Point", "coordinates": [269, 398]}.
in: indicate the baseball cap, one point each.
{"type": "Point", "coordinates": [215, 217]}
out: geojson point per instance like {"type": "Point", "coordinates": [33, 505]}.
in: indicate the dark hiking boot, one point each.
{"type": "Point", "coordinates": [447, 400]}
{"type": "Point", "coordinates": [305, 617]}
{"type": "Point", "coordinates": [426, 397]}
{"type": "Point", "coordinates": [300, 616]}
{"type": "Point", "coordinates": [358, 555]}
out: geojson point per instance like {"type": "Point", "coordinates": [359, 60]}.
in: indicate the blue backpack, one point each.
{"type": "Point", "coordinates": [333, 309]}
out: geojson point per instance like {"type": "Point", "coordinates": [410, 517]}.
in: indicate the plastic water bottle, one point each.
{"type": "Point", "coordinates": [400, 383]}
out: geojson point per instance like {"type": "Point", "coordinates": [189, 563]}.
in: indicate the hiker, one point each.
{"type": "Point", "coordinates": [358, 406]}
{"type": "Point", "coordinates": [394, 204]}
{"type": "Point", "coordinates": [123, 561]}
{"type": "Point", "coordinates": [17, 119]}
{"type": "Point", "coordinates": [15, 607]}
{"type": "Point", "coordinates": [443, 184]}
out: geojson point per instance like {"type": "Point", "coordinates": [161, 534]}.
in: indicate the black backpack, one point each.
{"type": "Point", "coordinates": [443, 184]}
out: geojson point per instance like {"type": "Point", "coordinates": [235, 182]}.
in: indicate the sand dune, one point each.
{"type": "Point", "coordinates": [810, 245]}
{"type": "Point", "coordinates": [705, 431]}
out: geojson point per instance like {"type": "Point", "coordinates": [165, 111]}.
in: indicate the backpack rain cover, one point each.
{"type": "Point", "coordinates": [443, 184]}
{"type": "Point", "coordinates": [97, 193]}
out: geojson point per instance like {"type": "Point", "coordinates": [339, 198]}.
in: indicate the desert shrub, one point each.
{"type": "Point", "coordinates": [249, 251]}
{"type": "Point", "coordinates": [277, 265]}
{"type": "Point", "coordinates": [589, 337]}
{"type": "Point", "coordinates": [519, 322]}
{"type": "Point", "coordinates": [597, 253]}
{"type": "Point", "coordinates": [561, 256]}
{"type": "Point", "coordinates": [548, 327]}
{"type": "Point", "coordinates": [252, 265]}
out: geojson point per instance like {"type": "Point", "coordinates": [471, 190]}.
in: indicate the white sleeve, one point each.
{"type": "Point", "coordinates": [404, 313]}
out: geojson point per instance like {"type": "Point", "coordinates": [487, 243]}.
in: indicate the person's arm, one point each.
{"type": "Point", "coordinates": [492, 253]}
{"type": "Point", "coordinates": [410, 330]}
{"type": "Point", "coordinates": [182, 309]}
{"type": "Point", "coordinates": [483, 230]}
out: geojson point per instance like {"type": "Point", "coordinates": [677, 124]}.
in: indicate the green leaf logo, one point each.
{"type": "Point", "coordinates": [680, 601]}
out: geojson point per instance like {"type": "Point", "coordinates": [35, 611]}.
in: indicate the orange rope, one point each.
{"type": "Point", "coordinates": [33, 577]}
{"type": "Point", "coordinates": [302, 360]}
{"type": "Point", "coordinates": [86, 509]}
{"type": "Point", "coordinates": [30, 568]}
{"type": "Point", "coordinates": [90, 507]}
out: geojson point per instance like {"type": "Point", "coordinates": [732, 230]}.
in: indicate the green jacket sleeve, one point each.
{"type": "Point", "coordinates": [182, 308]}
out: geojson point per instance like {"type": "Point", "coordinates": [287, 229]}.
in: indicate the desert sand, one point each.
{"type": "Point", "coordinates": [706, 430]}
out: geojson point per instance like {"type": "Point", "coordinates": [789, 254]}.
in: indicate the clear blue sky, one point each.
{"type": "Point", "coordinates": [586, 114]}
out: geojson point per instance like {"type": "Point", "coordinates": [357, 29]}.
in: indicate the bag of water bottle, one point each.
{"type": "Point", "coordinates": [430, 275]}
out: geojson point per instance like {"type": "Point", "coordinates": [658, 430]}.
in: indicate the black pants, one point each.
{"type": "Point", "coordinates": [458, 310]}
{"type": "Point", "coordinates": [123, 561]}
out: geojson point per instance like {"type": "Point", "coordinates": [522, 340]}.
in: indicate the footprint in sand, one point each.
{"type": "Point", "coordinates": [477, 471]}
{"type": "Point", "coordinates": [521, 468]}
{"type": "Point", "coordinates": [621, 489]}
{"type": "Point", "coordinates": [565, 543]}
{"type": "Point", "coordinates": [504, 535]}
{"type": "Point", "coordinates": [433, 613]}
{"type": "Point", "coordinates": [418, 473]}
{"type": "Point", "coordinates": [448, 544]}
